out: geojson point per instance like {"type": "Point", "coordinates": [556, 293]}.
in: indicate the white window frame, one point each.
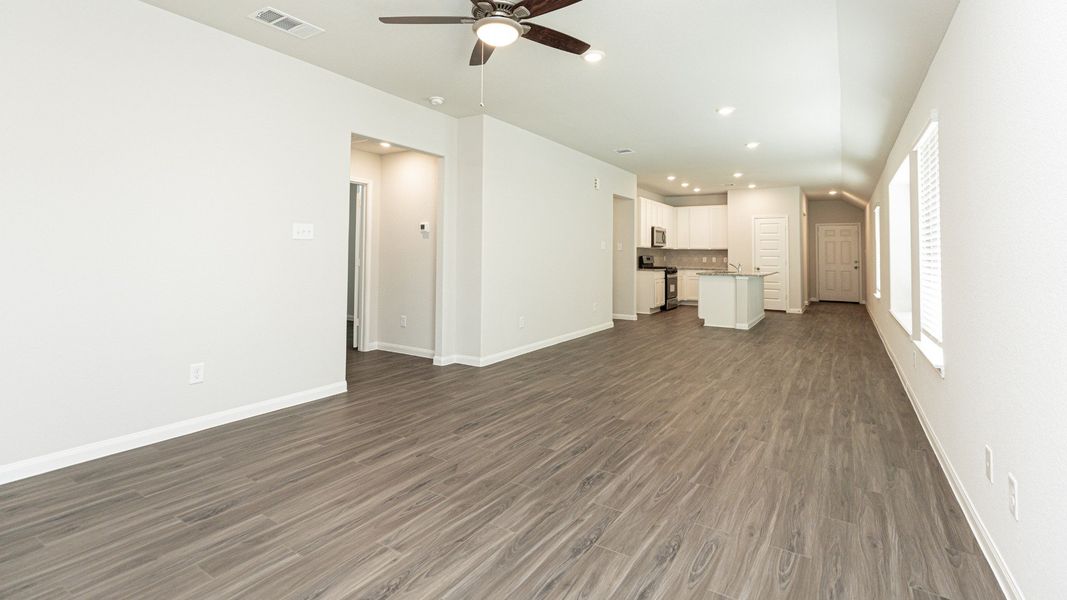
{"type": "Point", "coordinates": [901, 254]}
{"type": "Point", "coordinates": [927, 274]}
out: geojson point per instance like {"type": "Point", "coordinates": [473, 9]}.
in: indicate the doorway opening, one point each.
{"type": "Point", "coordinates": [393, 268]}
{"type": "Point", "coordinates": [838, 269]}
{"type": "Point", "coordinates": [623, 260]}
{"type": "Point", "coordinates": [357, 200]}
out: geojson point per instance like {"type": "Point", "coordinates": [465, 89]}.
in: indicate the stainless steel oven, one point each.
{"type": "Point", "coordinates": [659, 237]}
{"type": "Point", "coordinates": [671, 296]}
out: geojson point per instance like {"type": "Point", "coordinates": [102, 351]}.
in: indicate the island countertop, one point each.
{"type": "Point", "coordinates": [732, 274]}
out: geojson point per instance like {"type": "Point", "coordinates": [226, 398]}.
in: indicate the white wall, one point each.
{"type": "Point", "coordinates": [547, 237]}
{"type": "Point", "coordinates": [998, 83]}
{"type": "Point", "coordinates": [743, 205]}
{"type": "Point", "coordinates": [696, 200]}
{"type": "Point", "coordinates": [150, 183]}
{"type": "Point", "coordinates": [830, 211]}
{"type": "Point", "coordinates": [406, 257]}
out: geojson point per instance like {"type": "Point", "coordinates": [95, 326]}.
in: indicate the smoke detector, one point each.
{"type": "Point", "coordinates": [436, 100]}
{"type": "Point", "coordinates": [287, 23]}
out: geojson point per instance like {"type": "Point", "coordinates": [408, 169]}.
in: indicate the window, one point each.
{"type": "Point", "coordinates": [900, 246]}
{"type": "Point", "coordinates": [929, 234]}
{"type": "Point", "coordinates": [877, 226]}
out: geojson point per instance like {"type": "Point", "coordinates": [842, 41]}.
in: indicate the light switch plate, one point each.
{"type": "Point", "coordinates": [303, 231]}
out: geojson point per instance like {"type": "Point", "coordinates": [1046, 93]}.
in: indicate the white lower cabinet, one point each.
{"type": "Point", "coordinates": [690, 286]}
{"type": "Point", "coordinates": [651, 291]}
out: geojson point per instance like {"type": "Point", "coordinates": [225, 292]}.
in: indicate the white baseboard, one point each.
{"type": "Point", "coordinates": [989, 548]}
{"type": "Point", "coordinates": [750, 324]}
{"type": "Point", "coordinates": [72, 456]}
{"type": "Point", "coordinates": [794, 311]}
{"type": "Point", "coordinates": [474, 361]}
{"type": "Point", "coordinates": [813, 300]}
{"type": "Point", "coordinates": [401, 349]}
{"type": "Point", "coordinates": [624, 317]}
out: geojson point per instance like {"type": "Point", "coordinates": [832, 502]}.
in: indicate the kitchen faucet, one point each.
{"type": "Point", "coordinates": [737, 266]}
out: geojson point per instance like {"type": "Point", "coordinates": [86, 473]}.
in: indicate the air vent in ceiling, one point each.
{"type": "Point", "coordinates": [287, 23]}
{"type": "Point", "coordinates": [624, 151]}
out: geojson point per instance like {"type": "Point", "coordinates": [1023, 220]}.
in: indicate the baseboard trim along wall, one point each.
{"type": "Point", "coordinates": [794, 311]}
{"type": "Point", "coordinates": [624, 317]}
{"type": "Point", "coordinates": [72, 456]}
{"type": "Point", "coordinates": [401, 349]}
{"type": "Point", "coordinates": [989, 548]}
{"type": "Point", "coordinates": [485, 361]}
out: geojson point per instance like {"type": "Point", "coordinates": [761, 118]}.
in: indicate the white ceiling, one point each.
{"type": "Point", "coordinates": [823, 85]}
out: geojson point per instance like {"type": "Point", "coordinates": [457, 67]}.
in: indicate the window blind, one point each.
{"type": "Point", "coordinates": [929, 189]}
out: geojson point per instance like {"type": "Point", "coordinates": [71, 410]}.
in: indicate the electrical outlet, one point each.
{"type": "Point", "coordinates": [618, 247]}
{"type": "Point", "coordinates": [596, 305]}
{"type": "Point", "coordinates": [403, 320]}
{"type": "Point", "coordinates": [603, 245]}
{"type": "Point", "coordinates": [522, 322]}
{"type": "Point", "coordinates": [1013, 496]}
{"type": "Point", "coordinates": [303, 231]}
{"type": "Point", "coordinates": [989, 464]}
{"type": "Point", "coordinates": [196, 373]}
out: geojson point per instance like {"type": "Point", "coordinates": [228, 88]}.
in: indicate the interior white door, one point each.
{"type": "Point", "coordinates": [770, 253]}
{"type": "Point", "coordinates": [838, 268]}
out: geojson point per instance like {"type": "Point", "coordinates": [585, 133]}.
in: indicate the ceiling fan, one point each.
{"type": "Point", "coordinates": [502, 22]}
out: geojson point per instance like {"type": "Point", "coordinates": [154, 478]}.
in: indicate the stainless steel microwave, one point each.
{"type": "Point", "coordinates": [659, 237]}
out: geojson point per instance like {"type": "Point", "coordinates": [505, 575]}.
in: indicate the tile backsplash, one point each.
{"type": "Point", "coordinates": [687, 259]}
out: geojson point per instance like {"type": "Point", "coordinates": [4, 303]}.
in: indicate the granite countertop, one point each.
{"type": "Point", "coordinates": [733, 274]}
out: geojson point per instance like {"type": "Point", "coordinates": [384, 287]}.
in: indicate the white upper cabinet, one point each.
{"type": "Point", "coordinates": [656, 214]}
{"type": "Point", "coordinates": [682, 217]}
{"type": "Point", "coordinates": [702, 228]}
{"type": "Point", "coordinates": [720, 227]}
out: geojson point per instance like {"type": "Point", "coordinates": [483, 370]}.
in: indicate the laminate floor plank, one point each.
{"type": "Point", "coordinates": [656, 460]}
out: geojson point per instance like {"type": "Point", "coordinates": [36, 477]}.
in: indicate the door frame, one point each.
{"type": "Point", "coordinates": [818, 271]}
{"type": "Point", "coordinates": [363, 255]}
{"type": "Point", "coordinates": [785, 256]}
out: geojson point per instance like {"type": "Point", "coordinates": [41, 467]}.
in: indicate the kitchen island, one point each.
{"type": "Point", "coordinates": [733, 300]}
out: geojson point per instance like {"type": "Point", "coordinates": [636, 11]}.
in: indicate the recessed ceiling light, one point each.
{"type": "Point", "coordinates": [752, 145]}
{"type": "Point", "coordinates": [593, 56]}
{"type": "Point", "coordinates": [685, 184]}
{"type": "Point", "coordinates": [671, 178]}
{"type": "Point", "coordinates": [751, 186]}
{"type": "Point", "coordinates": [725, 111]}
{"type": "Point", "coordinates": [738, 175]}
{"type": "Point", "coordinates": [695, 190]}
{"type": "Point", "coordinates": [436, 100]}
{"type": "Point", "coordinates": [385, 144]}
{"type": "Point", "coordinates": [497, 31]}
{"type": "Point", "coordinates": [833, 192]}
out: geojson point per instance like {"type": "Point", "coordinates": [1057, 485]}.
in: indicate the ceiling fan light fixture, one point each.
{"type": "Point", "coordinates": [593, 56]}
{"type": "Point", "coordinates": [498, 31]}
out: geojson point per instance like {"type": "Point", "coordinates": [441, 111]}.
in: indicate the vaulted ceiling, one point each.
{"type": "Point", "coordinates": [822, 85]}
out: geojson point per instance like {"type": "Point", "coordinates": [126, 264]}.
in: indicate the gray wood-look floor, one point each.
{"type": "Point", "coordinates": [659, 459]}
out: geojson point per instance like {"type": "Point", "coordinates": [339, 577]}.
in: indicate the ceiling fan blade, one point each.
{"type": "Point", "coordinates": [426, 20]}
{"type": "Point", "coordinates": [481, 53]}
{"type": "Point", "coordinates": [540, 7]}
{"type": "Point", "coordinates": [555, 39]}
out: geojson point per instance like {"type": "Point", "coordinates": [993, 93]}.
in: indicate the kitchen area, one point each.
{"type": "Point", "coordinates": [683, 259]}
